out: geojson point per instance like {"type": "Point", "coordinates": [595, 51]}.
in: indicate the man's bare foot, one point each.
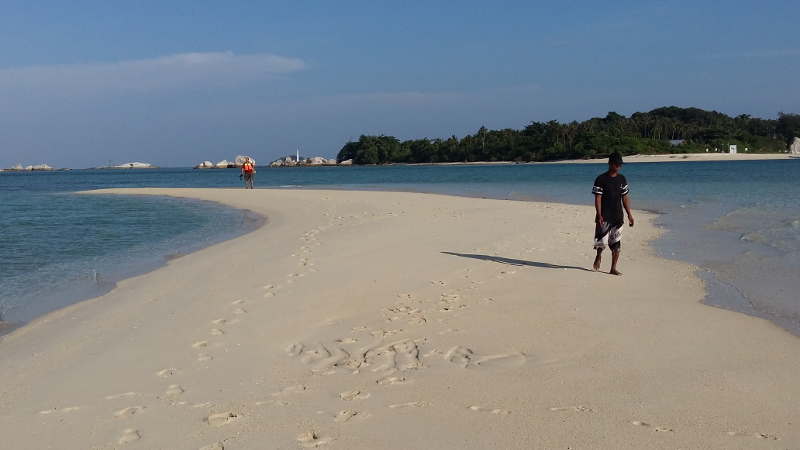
{"type": "Point", "coordinates": [615, 272]}
{"type": "Point", "coordinates": [596, 265]}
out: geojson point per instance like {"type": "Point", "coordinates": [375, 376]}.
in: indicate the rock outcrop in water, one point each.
{"type": "Point", "coordinates": [795, 147]}
{"type": "Point", "coordinates": [38, 168]}
{"type": "Point", "coordinates": [135, 165]}
{"type": "Point", "coordinates": [225, 164]}
{"type": "Point", "coordinates": [315, 161]}
{"type": "Point", "coordinates": [239, 161]}
{"type": "Point", "coordinates": [283, 162]}
{"type": "Point", "coordinates": [130, 165]}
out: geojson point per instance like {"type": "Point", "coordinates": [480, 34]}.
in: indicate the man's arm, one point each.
{"type": "Point", "coordinates": [597, 207]}
{"type": "Point", "coordinates": [627, 204]}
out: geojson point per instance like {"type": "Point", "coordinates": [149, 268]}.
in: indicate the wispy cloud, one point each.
{"type": "Point", "coordinates": [186, 70]}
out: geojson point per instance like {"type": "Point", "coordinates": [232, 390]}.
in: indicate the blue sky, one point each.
{"type": "Point", "coordinates": [176, 83]}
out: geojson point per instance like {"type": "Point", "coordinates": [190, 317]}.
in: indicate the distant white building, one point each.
{"type": "Point", "coordinates": [732, 149]}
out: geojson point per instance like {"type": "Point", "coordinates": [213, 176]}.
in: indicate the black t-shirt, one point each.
{"type": "Point", "coordinates": [612, 189]}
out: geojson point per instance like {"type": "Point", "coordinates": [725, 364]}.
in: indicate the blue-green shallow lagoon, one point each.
{"type": "Point", "coordinates": [738, 220]}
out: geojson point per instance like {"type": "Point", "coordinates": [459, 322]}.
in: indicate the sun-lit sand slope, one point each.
{"type": "Point", "coordinates": [374, 320]}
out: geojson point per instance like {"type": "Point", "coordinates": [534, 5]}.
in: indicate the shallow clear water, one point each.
{"type": "Point", "coordinates": [58, 247]}
{"type": "Point", "coordinates": [740, 220]}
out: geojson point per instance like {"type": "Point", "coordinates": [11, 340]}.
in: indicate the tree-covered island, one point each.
{"type": "Point", "coordinates": [662, 130]}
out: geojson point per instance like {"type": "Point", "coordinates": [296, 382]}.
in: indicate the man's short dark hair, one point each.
{"type": "Point", "coordinates": [615, 158]}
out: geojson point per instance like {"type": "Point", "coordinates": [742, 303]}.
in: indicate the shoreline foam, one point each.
{"type": "Point", "coordinates": [396, 320]}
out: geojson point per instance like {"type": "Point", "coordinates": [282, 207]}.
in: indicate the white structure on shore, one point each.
{"type": "Point", "coordinates": [795, 147]}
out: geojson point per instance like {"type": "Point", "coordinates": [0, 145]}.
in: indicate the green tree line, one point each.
{"type": "Point", "coordinates": [641, 133]}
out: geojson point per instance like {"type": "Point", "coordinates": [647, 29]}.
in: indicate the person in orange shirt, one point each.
{"type": "Point", "coordinates": [248, 170]}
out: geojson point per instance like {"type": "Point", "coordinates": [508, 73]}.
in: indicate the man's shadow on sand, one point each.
{"type": "Point", "coordinates": [516, 262]}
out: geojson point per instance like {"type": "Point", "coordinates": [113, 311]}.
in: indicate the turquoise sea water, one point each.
{"type": "Point", "coordinates": [738, 220]}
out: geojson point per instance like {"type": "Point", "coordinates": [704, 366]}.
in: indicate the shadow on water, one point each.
{"type": "Point", "coordinates": [516, 262]}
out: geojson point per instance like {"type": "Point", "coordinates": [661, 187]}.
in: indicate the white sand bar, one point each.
{"type": "Point", "coordinates": [373, 320]}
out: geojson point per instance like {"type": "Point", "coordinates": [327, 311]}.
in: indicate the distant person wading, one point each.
{"type": "Point", "coordinates": [248, 170]}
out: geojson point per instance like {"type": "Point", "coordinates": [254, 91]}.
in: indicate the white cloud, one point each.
{"type": "Point", "coordinates": [186, 70]}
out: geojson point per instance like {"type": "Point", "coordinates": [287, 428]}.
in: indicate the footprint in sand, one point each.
{"type": "Point", "coordinates": [167, 372]}
{"type": "Point", "coordinates": [384, 333]}
{"type": "Point", "coordinates": [269, 294]}
{"type": "Point", "coordinates": [62, 410]}
{"type": "Point", "coordinates": [345, 415]}
{"type": "Point", "coordinates": [409, 405]}
{"type": "Point", "coordinates": [347, 340]}
{"type": "Point", "coordinates": [502, 361]}
{"type": "Point", "coordinates": [295, 349]}
{"type": "Point", "coordinates": [392, 381]}
{"type": "Point", "coordinates": [237, 302]}
{"type": "Point", "coordinates": [239, 311]}
{"type": "Point", "coordinates": [127, 412]}
{"type": "Point", "coordinates": [460, 356]}
{"type": "Point", "coordinates": [219, 321]}
{"type": "Point", "coordinates": [311, 440]}
{"type": "Point", "coordinates": [349, 396]}
{"type": "Point", "coordinates": [755, 435]}
{"type": "Point", "coordinates": [217, 332]}
{"type": "Point", "coordinates": [199, 344]}
{"type": "Point", "coordinates": [500, 412]}
{"type": "Point", "coordinates": [128, 436]}
{"type": "Point", "coordinates": [269, 286]}
{"type": "Point", "coordinates": [571, 408]}
{"type": "Point", "coordinates": [325, 359]}
{"type": "Point", "coordinates": [127, 394]}
{"type": "Point", "coordinates": [218, 420]}
{"type": "Point", "coordinates": [654, 428]}
{"type": "Point", "coordinates": [203, 357]}
{"type": "Point", "coordinates": [214, 446]}
{"type": "Point", "coordinates": [174, 389]}
{"type": "Point", "coordinates": [290, 390]}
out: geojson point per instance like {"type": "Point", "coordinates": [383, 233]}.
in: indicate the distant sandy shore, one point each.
{"type": "Point", "coordinates": [384, 320]}
{"type": "Point", "coordinates": [690, 157]}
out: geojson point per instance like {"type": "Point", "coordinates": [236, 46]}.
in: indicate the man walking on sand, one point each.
{"type": "Point", "coordinates": [610, 196]}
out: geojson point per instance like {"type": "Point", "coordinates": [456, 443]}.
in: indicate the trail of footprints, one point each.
{"type": "Point", "coordinates": [391, 362]}
{"type": "Point", "coordinates": [363, 352]}
{"type": "Point", "coordinates": [321, 357]}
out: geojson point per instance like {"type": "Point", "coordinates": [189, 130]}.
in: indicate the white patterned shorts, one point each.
{"type": "Point", "coordinates": [608, 236]}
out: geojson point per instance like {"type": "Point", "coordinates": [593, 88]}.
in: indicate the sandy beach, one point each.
{"type": "Point", "coordinates": [677, 157]}
{"type": "Point", "coordinates": [368, 320]}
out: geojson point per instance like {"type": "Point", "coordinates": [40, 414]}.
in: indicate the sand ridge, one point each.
{"type": "Point", "coordinates": [394, 320]}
